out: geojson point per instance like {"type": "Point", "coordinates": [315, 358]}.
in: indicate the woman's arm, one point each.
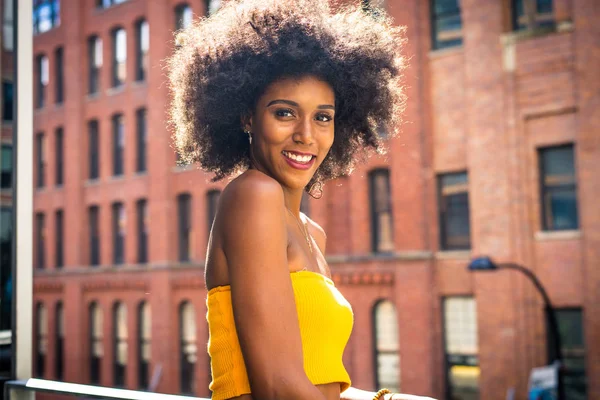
{"type": "Point", "coordinates": [356, 394]}
{"type": "Point", "coordinates": [254, 233]}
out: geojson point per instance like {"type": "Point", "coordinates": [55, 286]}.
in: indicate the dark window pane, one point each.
{"type": "Point", "coordinates": [60, 339]}
{"type": "Point", "coordinates": [381, 211]}
{"type": "Point", "coordinates": [453, 198]}
{"type": "Point", "coordinates": [118, 233]}
{"type": "Point", "coordinates": [142, 228]}
{"type": "Point", "coordinates": [142, 37]}
{"type": "Point", "coordinates": [141, 135]}
{"type": "Point", "coordinates": [570, 326]}
{"type": "Point", "coordinates": [41, 160]}
{"type": "Point", "coordinates": [184, 211]}
{"type": "Point", "coordinates": [59, 153]}
{"type": "Point", "coordinates": [212, 200]}
{"type": "Point", "coordinates": [41, 240]}
{"type": "Point", "coordinates": [120, 348]}
{"type": "Point", "coordinates": [42, 340]}
{"type": "Point", "coordinates": [183, 16]}
{"type": "Point", "coordinates": [144, 342]}
{"type": "Point", "coordinates": [558, 188]}
{"type": "Point", "coordinates": [188, 348]}
{"type": "Point", "coordinates": [94, 234]}
{"type": "Point", "coordinates": [95, 62]}
{"type": "Point", "coordinates": [118, 144]}
{"type": "Point", "coordinates": [94, 150]}
{"type": "Point", "coordinates": [59, 250]}
{"type": "Point", "coordinates": [96, 343]}
{"type": "Point", "coordinates": [6, 166]}
{"type": "Point", "coordinates": [59, 70]}
{"type": "Point", "coordinates": [446, 24]}
{"type": "Point", "coordinates": [7, 101]}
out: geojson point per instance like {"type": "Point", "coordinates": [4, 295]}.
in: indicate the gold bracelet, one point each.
{"type": "Point", "coordinates": [380, 393]}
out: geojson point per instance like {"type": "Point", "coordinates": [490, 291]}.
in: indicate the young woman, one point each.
{"type": "Point", "coordinates": [284, 95]}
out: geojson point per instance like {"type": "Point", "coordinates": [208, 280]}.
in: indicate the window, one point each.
{"type": "Point", "coordinates": [144, 340]}
{"type": "Point", "coordinates": [95, 63]}
{"type": "Point", "coordinates": [118, 125]}
{"type": "Point", "coordinates": [212, 202]}
{"type": "Point", "coordinates": [40, 240]}
{"type": "Point", "coordinates": [59, 71]}
{"type": "Point", "coordinates": [455, 231]}
{"type": "Point", "coordinates": [387, 349]}
{"type": "Point", "coordinates": [184, 203]}
{"type": "Point", "coordinates": [118, 211]}
{"type": "Point", "coordinates": [8, 96]}
{"type": "Point", "coordinates": [141, 135]}
{"type": "Point", "coordinates": [119, 344]}
{"type": "Point", "coordinates": [558, 188]}
{"type": "Point", "coordinates": [142, 228]}
{"type": "Point", "coordinates": [108, 3]}
{"type": "Point", "coordinates": [59, 154]}
{"type": "Point", "coordinates": [530, 14]}
{"type": "Point", "coordinates": [8, 17]}
{"type": "Point", "coordinates": [119, 58]}
{"type": "Point", "coordinates": [60, 341]}
{"type": "Point", "coordinates": [59, 239]}
{"type": "Point", "coordinates": [381, 211]}
{"type": "Point", "coordinates": [96, 343]}
{"type": "Point", "coordinates": [46, 15]}
{"type": "Point", "coordinates": [142, 37]}
{"type": "Point", "coordinates": [94, 226]}
{"type": "Point", "coordinates": [570, 327]}
{"type": "Point", "coordinates": [6, 166]}
{"type": "Point", "coordinates": [42, 340]}
{"type": "Point", "coordinates": [183, 16]}
{"type": "Point", "coordinates": [6, 237]}
{"type": "Point", "coordinates": [188, 349]}
{"type": "Point", "coordinates": [446, 24]}
{"type": "Point", "coordinates": [460, 337]}
{"type": "Point", "coordinates": [212, 6]}
{"type": "Point", "coordinates": [93, 150]}
{"type": "Point", "coordinates": [43, 77]}
{"type": "Point", "coordinates": [41, 160]}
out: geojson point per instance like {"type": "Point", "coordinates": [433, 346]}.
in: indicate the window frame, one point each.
{"type": "Point", "coordinates": [41, 160]}
{"type": "Point", "coordinates": [187, 369]}
{"type": "Point", "coordinates": [377, 352]}
{"type": "Point", "coordinates": [120, 370]}
{"type": "Point", "coordinates": [43, 79]}
{"type": "Point", "coordinates": [179, 15]}
{"type": "Point", "coordinates": [546, 221]}
{"type": "Point", "coordinates": [184, 209]}
{"type": "Point", "coordinates": [6, 174]}
{"type": "Point", "coordinates": [93, 149]}
{"type": "Point", "coordinates": [59, 148]}
{"type": "Point", "coordinates": [94, 235]}
{"type": "Point", "coordinates": [118, 136]}
{"type": "Point", "coordinates": [141, 54]}
{"type": "Point", "coordinates": [142, 230]}
{"type": "Point", "coordinates": [41, 340]}
{"type": "Point", "coordinates": [59, 89]}
{"type": "Point", "coordinates": [535, 21]}
{"type": "Point", "coordinates": [119, 235]}
{"type": "Point", "coordinates": [54, 15]}
{"type": "Point", "coordinates": [40, 226]}
{"type": "Point", "coordinates": [436, 43]}
{"type": "Point", "coordinates": [443, 213]}
{"type": "Point", "coordinates": [376, 240]}
{"type": "Point", "coordinates": [59, 261]}
{"type": "Point", "coordinates": [94, 64]}
{"type": "Point", "coordinates": [144, 365]}
{"type": "Point", "coordinates": [117, 80]}
{"type": "Point", "coordinates": [141, 119]}
{"type": "Point", "coordinates": [8, 102]}
{"type": "Point", "coordinates": [96, 337]}
{"type": "Point", "coordinates": [59, 341]}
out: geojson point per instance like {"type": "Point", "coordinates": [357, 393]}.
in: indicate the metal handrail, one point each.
{"type": "Point", "coordinates": [76, 389]}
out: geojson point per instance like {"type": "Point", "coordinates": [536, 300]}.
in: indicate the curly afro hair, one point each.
{"type": "Point", "coordinates": [223, 64]}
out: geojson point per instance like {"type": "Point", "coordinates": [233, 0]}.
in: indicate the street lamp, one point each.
{"type": "Point", "coordinates": [486, 264]}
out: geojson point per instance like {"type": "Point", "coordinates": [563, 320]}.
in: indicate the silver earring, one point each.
{"type": "Point", "coordinates": [249, 135]}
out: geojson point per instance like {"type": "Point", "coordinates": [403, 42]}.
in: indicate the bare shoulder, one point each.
{"type": "Point", "coordinates": [250, 190]}
{"type": "Point", "coordinates": [317, 232]}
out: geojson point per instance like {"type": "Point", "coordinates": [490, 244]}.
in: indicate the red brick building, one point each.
{"type": "Point", "coordinates": [498, 156]}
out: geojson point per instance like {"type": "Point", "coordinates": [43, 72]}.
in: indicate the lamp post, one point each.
{"type": "Point", "coordinates": [486, 264]}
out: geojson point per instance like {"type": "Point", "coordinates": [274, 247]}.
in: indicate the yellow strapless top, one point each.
{"type": "Point", "coordinates": [325, 318]}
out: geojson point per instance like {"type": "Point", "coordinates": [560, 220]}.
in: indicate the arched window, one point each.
{"type": "Point", "coordinates": [96, 342]}
{"type": "Point", "coordinates": [188, 349]}
{"type": "Point", "coordinates": [60, 340]}
{"type": "Point", "coordinates": [119, 344]}
{"type": "Point", "coordinates": [42, 340]}
{"type": "Point", "coordinates": [144, 340]}
{"type": "Point", "coordinates": [183, 16]}
{"type": "Point", "coordinates": [387, 355]}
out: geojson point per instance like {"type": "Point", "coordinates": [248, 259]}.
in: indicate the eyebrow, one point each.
{"type": "Point", "coordinates": [294, 104]}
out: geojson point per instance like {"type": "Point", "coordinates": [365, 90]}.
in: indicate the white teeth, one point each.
{"type": "Point", "coordinates": [298, 158]}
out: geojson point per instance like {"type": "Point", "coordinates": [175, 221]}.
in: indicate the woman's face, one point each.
{"type": "Point", "coordinates": [292, 129]}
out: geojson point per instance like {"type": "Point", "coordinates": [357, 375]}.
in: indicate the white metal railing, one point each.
{"type": "Point", "coordinates": [20, 390]}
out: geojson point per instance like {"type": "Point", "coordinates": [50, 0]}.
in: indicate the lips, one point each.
{"type": "Point", "coordinates": [299, 160]}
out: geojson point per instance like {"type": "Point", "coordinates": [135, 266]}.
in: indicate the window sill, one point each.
{"type": "Point", "coordinates": [514, 37]}
{"type": "Point", "coordinates": [93, 96]}
{"type": "Point", "coordinates": [92, 182]}
{"type": "Point", "coordinates": [453, 255]}
{"type": "Point", "coordinates": [542, 236]}
{"type": "Point", "coordinates": [101, 9]}
{"type": "Point", "coordinates": [392, 256]}
{"type": "Point", "coordinates": [448, 51]}
{"type": "Point", "coordinates": [117, 178]}
{"type": "Point", "coordinates": [139, 83]}
{"type": "Point", "coordinates": [183, 168]}
{"type": "Point", "coordinates": [116, 90]}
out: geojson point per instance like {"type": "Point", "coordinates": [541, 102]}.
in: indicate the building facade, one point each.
{"type": "Point", "coordinates": [498, 156]}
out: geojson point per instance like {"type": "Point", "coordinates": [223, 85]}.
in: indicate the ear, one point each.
{"type": "Point", "coordinates": [246, 122]}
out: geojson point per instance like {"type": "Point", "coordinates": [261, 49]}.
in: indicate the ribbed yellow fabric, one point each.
{"type": "Point", "coordinates": [325, 318]}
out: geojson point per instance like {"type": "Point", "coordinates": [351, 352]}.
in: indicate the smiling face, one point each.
{"type": "Point", "coordinates": [293, 129]}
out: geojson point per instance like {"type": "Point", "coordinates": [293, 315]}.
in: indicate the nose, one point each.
{"type": "Point", "coordinates": [304, 132]}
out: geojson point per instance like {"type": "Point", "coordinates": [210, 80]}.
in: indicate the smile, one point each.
{"type": "Point", "coordinates": [299, 161]}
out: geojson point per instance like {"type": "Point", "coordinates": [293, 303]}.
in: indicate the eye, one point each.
{"type": "Point", "coordinates": [324, 117]}
{"type": "Point", "coordinates": [284, 112]}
